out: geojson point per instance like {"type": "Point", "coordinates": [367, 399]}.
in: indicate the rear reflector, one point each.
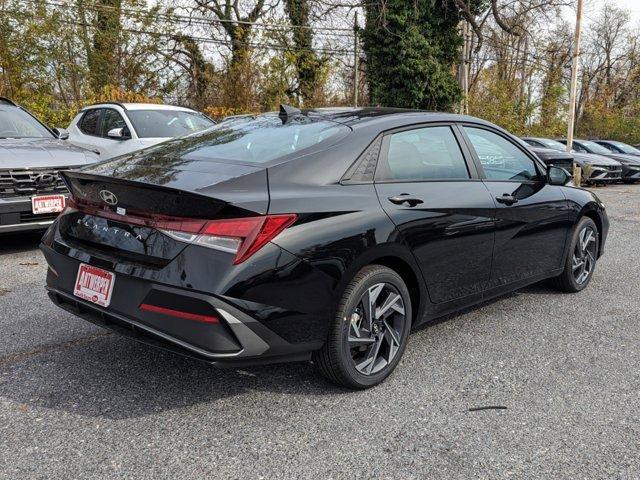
{"type": "Point", "coordinates": [178, 313]}
{"type": "Point", "coordinates": [240, 236]}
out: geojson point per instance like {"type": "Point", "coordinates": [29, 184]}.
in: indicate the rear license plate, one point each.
{"type": "Point", "coordinates": [94, 284]}
{"type": "Point", "coordinates": [47, 204]}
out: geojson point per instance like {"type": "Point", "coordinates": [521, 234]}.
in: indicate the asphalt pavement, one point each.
{"type": "Point", "coordinates": [78, 402]}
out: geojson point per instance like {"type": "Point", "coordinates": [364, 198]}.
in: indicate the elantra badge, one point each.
{"type": "Point", "coordinates": [108, 197]}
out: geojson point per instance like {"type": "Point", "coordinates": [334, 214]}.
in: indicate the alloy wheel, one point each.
{"type": "Point", "coordinates": [376, 327]}
{"type": "Point", "coordinates": [584, 255]}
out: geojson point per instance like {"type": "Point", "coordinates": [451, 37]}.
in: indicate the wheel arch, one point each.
{"type": "Point", "coordinates": [591, 211]}
{"type": "Point", "coordinates": [401, 261]}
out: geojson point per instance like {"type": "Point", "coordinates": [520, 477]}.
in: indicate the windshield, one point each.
{"type": "Point", "coordinates": [593, 147]}
{"type": "Point", "coordinates": [554, 144]}
{"type": "Point", "coordinates": [264, 138]}
{"type": "Point", "coordinates": [626, 148]}
{"type": "Point", "coordinates": [16, 123]}
{"type": "Point", "coordinates": [167, 123]}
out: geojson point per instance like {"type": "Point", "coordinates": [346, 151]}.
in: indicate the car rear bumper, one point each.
{"type": "Point", "coordinates": [16, 216]}
{"type": "Point", "coordinates": [237, 339]}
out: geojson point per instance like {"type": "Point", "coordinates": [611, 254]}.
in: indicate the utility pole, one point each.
{"type": "Point", "coordinates": [574, 78]}
{"type": "Point", "coordinates": [355, 61]}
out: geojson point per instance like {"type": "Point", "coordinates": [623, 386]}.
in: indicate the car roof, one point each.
{"type": "Point", "coordinates": [139, 106]}
{"type": "Point", "coordinates": [389, 117]}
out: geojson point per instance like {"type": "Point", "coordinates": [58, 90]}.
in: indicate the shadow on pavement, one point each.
{"type": "Point", "coordinates": [116, 378]}
{"type": "Point", "coordinates": [19, 242]}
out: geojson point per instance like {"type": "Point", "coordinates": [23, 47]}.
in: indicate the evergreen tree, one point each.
{"type": "Point", "coordinates": [411, 49]}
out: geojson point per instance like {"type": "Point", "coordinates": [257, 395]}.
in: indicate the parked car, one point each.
{"type": "Point", "coordinates": [630, 163]}
{"type": "Point", "coordinates": [596, 169]}
{"type": "Point", "coordinates": [554, 157]}
{"type": "Point", "coordinates": [619, 147]}
{"type": "Point", "coordinates": [324, 234]}
{"type": "Point", "coordinates": [31, 156]}
{"type": "Point", "coordinates": [546, 143]}
{"type": "Point", "coordinates": [112, 129]}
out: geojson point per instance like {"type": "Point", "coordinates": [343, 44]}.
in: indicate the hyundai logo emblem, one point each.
{"type": "Point", "coordinates": [44, 179]}
{"type": "Point", "coordinates": [108, 197]}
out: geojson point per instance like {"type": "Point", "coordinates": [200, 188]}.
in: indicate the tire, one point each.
{"type": "Point", "coordinates": [575, 276]}
{"type": "Point", "coordinates": [343, 359]}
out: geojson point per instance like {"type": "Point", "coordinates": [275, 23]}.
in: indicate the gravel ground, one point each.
{"type": "Point", "coordinates": [76, 402]}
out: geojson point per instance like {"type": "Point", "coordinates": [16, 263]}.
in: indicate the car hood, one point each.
{"type": "Point", "coordinates": [624, 158]}
{"type": "Point", "coordinates": [593, 159]}
{"type": "Point", "coordinates": [42, 153]}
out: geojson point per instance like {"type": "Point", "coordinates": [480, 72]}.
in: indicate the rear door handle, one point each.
{"type": "Point", "coordinates": [507, 199]}
{"type": "Point", "coordinates": [406, 198]}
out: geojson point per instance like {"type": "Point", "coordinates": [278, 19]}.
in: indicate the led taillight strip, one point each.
{"type": "Point", "coordinates": [240, 236]}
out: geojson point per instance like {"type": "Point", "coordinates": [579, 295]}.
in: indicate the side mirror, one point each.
{"type": "Point", "coordinates": [61, 133]}
{"type": "Point", "coordinates": [121, 133]}
{"type": "Point", "coordinates": [558, 176]}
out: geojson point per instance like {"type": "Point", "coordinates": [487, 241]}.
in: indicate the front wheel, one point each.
{"type": "Point", "coordinates": [582, 258]}
{"type": "Point", "coordinates": [370, 330]}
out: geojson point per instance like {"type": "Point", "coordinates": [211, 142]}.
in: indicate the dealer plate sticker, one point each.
{"type": "Point", "coordinates": [94, 284]}
{"type": "Point", "coordinates": [47, 204]}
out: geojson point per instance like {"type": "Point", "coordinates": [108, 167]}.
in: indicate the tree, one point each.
{"type": "Point", "coordinates": [308, 64]}
{"type": "Point", "coordinates": [411, 48]}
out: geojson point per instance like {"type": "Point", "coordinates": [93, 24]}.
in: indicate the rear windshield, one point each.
{"type": "Point", "coordinates": [264, 138]}
{"type": "Point", "coordinates": [167, 123]}
{"type": "Point", "coordinates": [16, 123]}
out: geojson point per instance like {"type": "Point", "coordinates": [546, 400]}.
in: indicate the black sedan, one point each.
{"type": "Point", "coordinates": [31, 156]}
{"type": "Point", "coordinates": [630, 163]}
{"type": "Point", "coordinates": [323, 235]}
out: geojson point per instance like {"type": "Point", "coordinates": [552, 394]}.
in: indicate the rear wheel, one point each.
{"type": "Point", "coordinates": [370, 330]}
{"type": "Point", "coordinates": [582, 258]}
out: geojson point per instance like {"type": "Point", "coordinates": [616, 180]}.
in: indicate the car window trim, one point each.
{"type": "Point", "coordinates": [384, 150]}
{"type": "Point", "coordinates": [538, 164]}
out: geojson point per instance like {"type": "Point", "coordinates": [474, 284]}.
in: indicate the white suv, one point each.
{"type": "Point", "coordinates": [112, 129]}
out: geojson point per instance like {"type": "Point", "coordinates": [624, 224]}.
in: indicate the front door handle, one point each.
{"type": "Point", "coordinates": [507, 199]}
{"type": "Point", "coordinates": [406, 198]}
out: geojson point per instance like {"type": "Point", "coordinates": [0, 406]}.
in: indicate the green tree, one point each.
{"type": "Point", "coordinates": [411, 48]}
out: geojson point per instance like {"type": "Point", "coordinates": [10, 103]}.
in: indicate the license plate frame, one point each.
{"type": "Point", "coordinates": [94, 284]}
{"type": "Point", "coordinates": [43, 204]}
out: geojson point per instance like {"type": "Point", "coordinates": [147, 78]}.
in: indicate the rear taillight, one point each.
{"type": "Point", "coordinates": [240, 236]}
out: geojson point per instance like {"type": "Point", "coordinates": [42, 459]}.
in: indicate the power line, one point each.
{"type": "Point", "coordinates": [205, 20]}
{"type": "Point", "coordinates": [208, 40]}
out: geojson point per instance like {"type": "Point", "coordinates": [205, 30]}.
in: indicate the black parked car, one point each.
{"type": "Point", "coordinates": [630, 163]}
{"type": "Point", "coordinates": [31, 155]}
{"type": "Point", "coordinates": [619, 147]}
{"type": "Point", "coordinates": [317, 234]}
{"type": "Point", "coordinates": [554, 157]}
{"type": "Point", "coordinates": [596, 169]}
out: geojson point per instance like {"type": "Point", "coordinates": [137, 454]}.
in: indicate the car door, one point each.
{"type": "Point", "coordinates": [532, 216]}
{"type": "Point", "coordinates": [86, 131]}
{"type": "Point", "coordinates": [442, 210]}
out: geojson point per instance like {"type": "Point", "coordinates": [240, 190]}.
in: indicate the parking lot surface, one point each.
{"type": "Point", "coordinates": [78, 402]}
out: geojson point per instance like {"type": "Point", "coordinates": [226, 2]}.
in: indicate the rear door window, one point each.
{"type": "Point", "coordinates": [90, 121]}
{"type": "Point", "coordinates": [430, 153]}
